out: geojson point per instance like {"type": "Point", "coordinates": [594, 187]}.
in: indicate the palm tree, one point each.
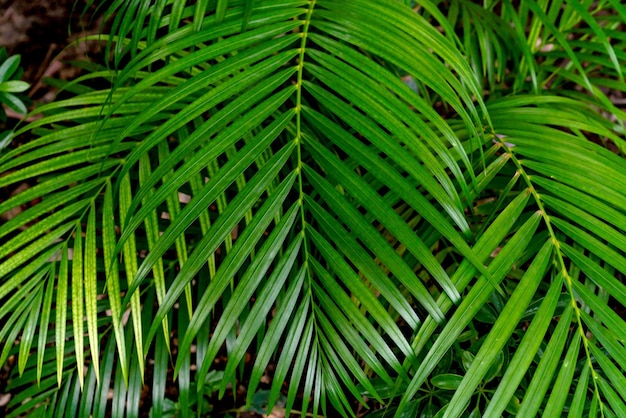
{"type": "Point", "coordinates": [416, 207]}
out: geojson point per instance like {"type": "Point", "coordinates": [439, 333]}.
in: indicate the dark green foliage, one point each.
{"type": "Point", "coordinates": [415, 207]}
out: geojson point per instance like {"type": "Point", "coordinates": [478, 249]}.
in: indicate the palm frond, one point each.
{"type": "Point", "coordinates": [338, 189]}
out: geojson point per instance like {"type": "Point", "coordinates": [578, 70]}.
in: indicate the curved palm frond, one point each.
{"type": "Point", "coordinates": [319, 184]}
{"type": "Point", "coordinates": [559, 219]}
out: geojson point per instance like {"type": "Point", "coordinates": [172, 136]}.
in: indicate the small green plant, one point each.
{"type": "Point", "coordinates": [10, 89]}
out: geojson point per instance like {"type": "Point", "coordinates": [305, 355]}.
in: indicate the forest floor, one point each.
{"type": "Point", "coordinates": [44, 32]}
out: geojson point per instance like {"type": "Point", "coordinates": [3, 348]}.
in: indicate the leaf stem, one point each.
{"type": "Point", "coordinates": [560, 259]}
{"type": "Point", "coordinates": [298, 111]}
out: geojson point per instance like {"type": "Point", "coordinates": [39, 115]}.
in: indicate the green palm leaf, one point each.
{"type": "Point", "coordinates": [335, 190]}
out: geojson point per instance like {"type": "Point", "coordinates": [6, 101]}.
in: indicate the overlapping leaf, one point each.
{"type": "Point", "coordinates": [260, 180]}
